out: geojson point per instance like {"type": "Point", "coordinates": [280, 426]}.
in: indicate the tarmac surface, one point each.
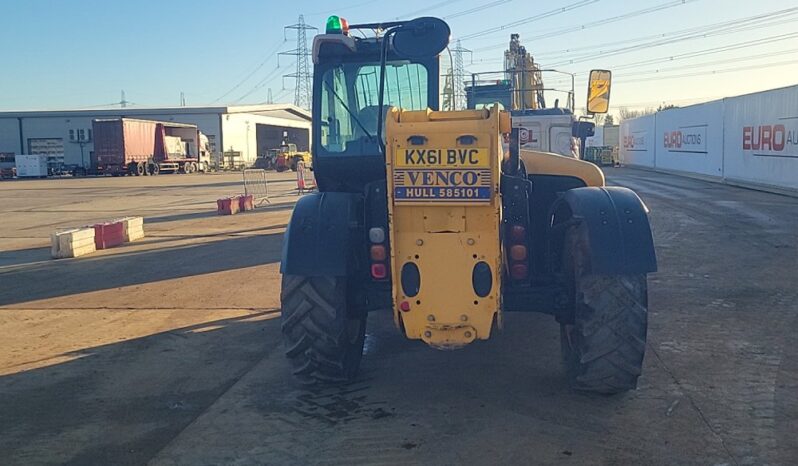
{"type": "Point", "coordinates": [168, 350]}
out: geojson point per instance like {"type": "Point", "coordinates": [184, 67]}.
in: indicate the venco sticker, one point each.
{"type": "Point", "coordinates": [687, 139]}
{"type": "Point", "coordinates": [433, 174]}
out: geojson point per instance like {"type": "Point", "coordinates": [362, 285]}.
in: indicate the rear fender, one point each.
{"type": "Point", "coordinates": [323, 231]}
{"type": "Point", "coordinates": [617, 228]}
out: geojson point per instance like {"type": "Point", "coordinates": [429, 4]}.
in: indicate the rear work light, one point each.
{"type": "Point", "coordinates": [337, 25]}
{"type": "Point", "coordinates": [376, 235]}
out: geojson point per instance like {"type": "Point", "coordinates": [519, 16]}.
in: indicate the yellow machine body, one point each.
{"type": "Point", "coordinates": [444, 216]}
{"type": "Point", "coordinates": [444, 211]}
{"type": "Point", "coordinates": [546, 163]}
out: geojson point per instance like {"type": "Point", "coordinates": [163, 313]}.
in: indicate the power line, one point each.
{"type": "Point", "coordinates": [740, 25]}
{"type": "Point", "coordinates": [700, 30]}
{"type": "Point", "coordinates": [710, 51]}
{"type": "Point", "coordinates": [601, 22]}
{"type": "Point", "coordinates": [712, 72]}
{"type": "Point", "coordinates": [336, 10]}
{"type": "Point", "coordinates": [662, 73]}
{"type": "Point", "coordinates": [426, 9]}
{"type": "Point", "coordinates": [261, 83]}
{"type": "Point", "coordinates": [718, 62]}
{"type": "Point", "coordinates": [530, 19]}
{"type": "Point", "coordinates": [246, 78]}
{"type": "Point", "coordinates": [476, 9]}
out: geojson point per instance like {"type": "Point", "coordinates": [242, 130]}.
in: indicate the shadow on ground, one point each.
{"type": "Point", "coordinates": [24, 256]}
{"type": "Point", "coordinates": [121, 403]}
{"type": "Point", "coordinates": [86, 274]}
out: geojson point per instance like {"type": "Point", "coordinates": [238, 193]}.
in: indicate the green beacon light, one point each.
{"type": "Point", "coordinates": [337, 25]}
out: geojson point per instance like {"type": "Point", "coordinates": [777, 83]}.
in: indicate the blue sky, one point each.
{"type": "Point", "coordinates": [81, 53]}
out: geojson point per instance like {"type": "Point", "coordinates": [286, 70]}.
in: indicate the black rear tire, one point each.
{"type": "Point", "coordinates": [604, 345]}
{"type": "Point", "coordinates": [153, 169]}
{"type": "Point", "coordinates": [323, 342]}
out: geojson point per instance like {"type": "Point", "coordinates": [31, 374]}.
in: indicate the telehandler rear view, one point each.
{"type": "Point", "coordinates": [428, 214]}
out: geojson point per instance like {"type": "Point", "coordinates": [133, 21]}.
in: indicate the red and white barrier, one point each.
{"type": "Point", "coordinates": [108, 235]}
{"type": "Point", "coordinates": [227, 206]}
{"type": "Point", "coordinates": [246, 202]}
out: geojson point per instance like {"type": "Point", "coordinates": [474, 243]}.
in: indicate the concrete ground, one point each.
{"type": "Point", "coordinates": [168, 351]}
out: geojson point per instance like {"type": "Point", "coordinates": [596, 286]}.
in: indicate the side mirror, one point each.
{"type": "Point", "coordinates": [598, 91]}
{"type": "Point", "coordinates": [583, 129]}
{"type": "Point", "coordinates": [421, 38]}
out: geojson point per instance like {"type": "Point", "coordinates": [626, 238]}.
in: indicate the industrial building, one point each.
{"type": "Point", "coordinates": [237, 134]}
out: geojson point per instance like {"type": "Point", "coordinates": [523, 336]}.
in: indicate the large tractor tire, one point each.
{"type": "Point", "coordinates": [323, 342]}
{"type": "Point", "coordinates": [604, 344]}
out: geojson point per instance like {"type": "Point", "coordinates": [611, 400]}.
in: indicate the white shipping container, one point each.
{"type": "Point", "coordinates": [610, 135]}
{"type": "Point", "coordinates": [31, 166]}
{"type": "Point", "coordinates": [597, 140]}
{"type": "Point", "coordinates": [690, 139]}
{"type": "Point", "coordinates": [761, 138]}
{"type": "Point", "coordinates": [637, 141]}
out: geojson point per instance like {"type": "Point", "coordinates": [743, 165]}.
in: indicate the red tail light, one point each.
{"type": "Point", "coordinates": [518, 271]}
{"type": "Point", "coordinates": [379, 271]}
{"type": "Point", "coordinates": [378, 253]}
{"type": "Point", "coordinates": [517, 233]}
{"type": "Point", "coordinates": [518, 252]}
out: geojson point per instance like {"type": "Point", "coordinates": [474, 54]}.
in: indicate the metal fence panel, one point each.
{"type": "Point", "coordinates": [255, 184]}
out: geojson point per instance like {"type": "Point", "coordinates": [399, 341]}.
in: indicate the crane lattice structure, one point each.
{"type": "Point", "coordinates": [303, 74]}
{"type": "Point", "coordinates": [524, 74]}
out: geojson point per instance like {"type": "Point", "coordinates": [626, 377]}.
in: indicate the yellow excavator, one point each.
{"type": "Point", "coordinates": [424, 214]}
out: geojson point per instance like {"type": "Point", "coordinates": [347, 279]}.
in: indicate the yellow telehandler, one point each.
{"type": "Point", "coordinates": [432, 216]}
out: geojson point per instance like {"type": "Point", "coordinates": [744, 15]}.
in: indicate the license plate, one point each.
{"type": "Point", "coordinates": [442, 175]}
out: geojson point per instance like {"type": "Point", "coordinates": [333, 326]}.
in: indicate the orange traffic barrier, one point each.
{"type": "Point", "coordinates": [246, 202]}
{"type": "Point", "coordinates": [227, 206]}
{"type": "Point", "coordinates": [108, 235]}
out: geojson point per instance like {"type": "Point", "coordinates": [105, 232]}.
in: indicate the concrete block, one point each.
{"type": "Point", "coordinates": [72, 243]}
{"type": "Point", "coordinates": [132, 228]}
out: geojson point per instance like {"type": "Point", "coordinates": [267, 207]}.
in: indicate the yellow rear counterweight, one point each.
{"type": "Point", "coordinates": [444, 210]}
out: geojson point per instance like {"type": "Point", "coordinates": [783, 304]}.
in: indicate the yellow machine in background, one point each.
{"type": "Point", "coordinates": [288, 156]}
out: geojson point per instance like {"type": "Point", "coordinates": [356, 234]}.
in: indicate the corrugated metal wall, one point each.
{"type": "Point", "coordinates": [749, 139]}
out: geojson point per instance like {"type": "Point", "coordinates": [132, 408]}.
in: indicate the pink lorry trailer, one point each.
{"type": "Point", "coordinates": [128, 146]}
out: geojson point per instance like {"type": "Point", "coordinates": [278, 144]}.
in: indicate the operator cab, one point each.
{"type": "Point", "coordinates": [348, 142]}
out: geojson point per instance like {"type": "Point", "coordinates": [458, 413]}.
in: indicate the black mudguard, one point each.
{"type": "Point", "coordinates": [322, 234]}
{"type": "Point", "coordinates": [617, 227]}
